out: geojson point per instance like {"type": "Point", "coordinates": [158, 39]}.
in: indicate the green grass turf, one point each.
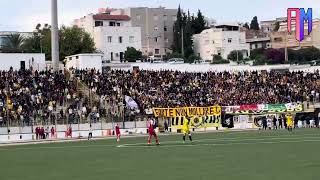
{"type": "Point", "coordinates": [259, 155]}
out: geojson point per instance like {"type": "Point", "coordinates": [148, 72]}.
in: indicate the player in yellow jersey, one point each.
{"type": "Point", "coordinates": [186, 130]}
{"type": "Point", "coordinates": [289, 122]}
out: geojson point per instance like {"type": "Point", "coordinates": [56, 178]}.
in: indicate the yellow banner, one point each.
{"type": "Point", "coordinates": [187, 111]}
{"type": "Point", "coordinates": [196, 121]}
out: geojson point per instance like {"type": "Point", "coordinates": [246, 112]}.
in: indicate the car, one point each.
{"type": "Point", "coordinates": [202, 62]}
{"type": "Point", "coordinates": [176, 61]}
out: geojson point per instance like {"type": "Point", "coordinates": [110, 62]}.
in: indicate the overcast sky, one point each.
{"type": "Point", "coordinates": [23, 15]}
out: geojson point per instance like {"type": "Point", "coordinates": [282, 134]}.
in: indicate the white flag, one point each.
{"type": "Point", "coordinates": [131, 104]}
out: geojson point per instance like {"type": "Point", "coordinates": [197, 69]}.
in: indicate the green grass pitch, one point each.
{"type": "Point", "coordinates": [256, 155]}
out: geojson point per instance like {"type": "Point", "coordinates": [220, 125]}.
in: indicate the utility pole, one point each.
{"type": "Point", "coordinates": [286, 48]}
{"type": "Point", "coordinates": [54, 35]}
{"type": "Point", "coordinates": [182, 41]}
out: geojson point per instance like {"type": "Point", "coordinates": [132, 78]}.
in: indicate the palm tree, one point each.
{"type": "Point", "coordinates": [14, 43]}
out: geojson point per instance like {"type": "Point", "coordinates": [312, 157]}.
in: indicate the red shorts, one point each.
{"type": "Point", "coordinates": [152, 133]}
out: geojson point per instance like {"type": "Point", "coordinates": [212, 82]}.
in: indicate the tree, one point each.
{"type": "Point", "coordinates": [175, 55]}
{"type": "Point", "coordinates": [235, 56]}
{"type": "Point", "coordinates": [277, 26]}
{"type": "Point", "coordinates": [256, 52]}
{"type": "Point", "coordinates": [176, 46]}
{"type": "Point", "coordinates": [198, 23]}
{"type": "Point", "coordinates": [188, 32]}
{"type": "Point", "coordinates": [73, 40]}
{"type": "Point", "coordinates": [131, 54]}
{"type": "Point", "coordinates": [183, 27]}
{"type": "Point", "coordinates": [192, 58]}
{"type": "Point", "coordinates": [274, 56]}
{"type": "Point", "coordinates": [254, 23]}
{"type": "Point", "coordinates": [216, 57]}
{"type": "Point", "coordinates": [13, 43]}
{"type": "Point", "coordinates": [246, 25]}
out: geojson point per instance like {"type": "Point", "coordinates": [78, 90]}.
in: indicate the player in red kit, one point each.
{"type": "Point", "coordinates": [152, 132]}
{"type": "Point", "coordinates": [117, 132]}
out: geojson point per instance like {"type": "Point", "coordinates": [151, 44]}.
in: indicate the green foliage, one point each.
{"type": "Point", "coordinates": [220, 61]}
{"type": "Point", "coordinates": [13, 44]}
{"type": "Point", "coordinates": [255, 52]}
{"type": "Point", "coordinates": [72, 40]}
{"type": "Point", "coordinates": [216, 57]}
{"type": "Point", "coordinates": [198, 23]}
{"type": "Point", "coordinates": [246, 25]}
{"type": "Point", "coordinates": [188, 25]}
{"type": "Point", "coordinates": [235, 56]}
{"type": "Point", "coordinates": [192, 58]}
{"type": "Point", "coordinates": [254, 23]}
{"type": "Point", "coordinates": [260, 60]}
{"type": "Point", "coordinates": [175, 55]}
{"type": "Point", "coordinates": [131, 54]}
{"type": "Point", "coordinates": [303, 55]}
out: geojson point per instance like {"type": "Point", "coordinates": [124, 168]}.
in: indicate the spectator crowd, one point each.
{"type": "Point", "coordinates": [177, 89]}
{"type": "Point", "coordinates": [27, 96]}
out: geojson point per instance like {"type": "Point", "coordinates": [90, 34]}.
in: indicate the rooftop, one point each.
{"type": "Point", "coordinates": [111, 17]}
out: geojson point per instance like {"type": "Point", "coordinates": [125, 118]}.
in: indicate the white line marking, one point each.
{"type": "Point", "coordinates": [227, 144]}
{"type": "Point", "coordinates": [244, 138]}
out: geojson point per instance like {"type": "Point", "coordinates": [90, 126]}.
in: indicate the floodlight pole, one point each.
{"type": "Point", "coordinates": [54, 35]}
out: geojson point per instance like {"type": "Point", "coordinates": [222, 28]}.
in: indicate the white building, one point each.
{"type": "Point", "coordinates": [220, 40]}
{"type": "Point", "coordinates": [84, 61]}
{"type": "Point", "coordinates": [156, 27]}
{"type": "Point", "coordinates": [34, 61]}
{"type": "Point", "coordinates": [112, 34]}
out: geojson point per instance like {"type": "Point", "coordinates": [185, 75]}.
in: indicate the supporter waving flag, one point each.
{"type": "Point", "coordinates": [132, 104]}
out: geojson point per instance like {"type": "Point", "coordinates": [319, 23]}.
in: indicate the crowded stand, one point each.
{"type": "Point", "coordinates": [179, 89]}
{"type": "Point", "coordinates": [27, 96]}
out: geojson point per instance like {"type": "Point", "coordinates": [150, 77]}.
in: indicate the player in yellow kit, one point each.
{"type": "Point", "coordinates": [186, 130]}
{"type": "Point", "coordinates": [289, 122]}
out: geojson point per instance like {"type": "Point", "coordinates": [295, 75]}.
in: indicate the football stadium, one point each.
{"type": "Point", "coordinates": [159, 90]}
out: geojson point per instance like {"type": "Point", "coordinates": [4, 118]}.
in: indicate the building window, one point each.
{"type": "Point", "coordinates": [229, 40]}
{"type": "Point", "coordinates": [155, 17]}
{"type": "Point", "coordinates": [212, 42]}
{"type": "Point", "coordinates": [131, 39]}
{"type": "Point", "coordinates": [165, 28]}
{"type": "Point", "coordinates": [109, 39]}
{"type": "Point", "coordinates": [156, 39]}
{"type": "Point", "coordinates": [70, 58]}
{"type": "Point", "coordinates": [118, 24]}
{"type": "Point", "coordinates": [138, 17]}
{"type": "Point", "coordinates": [156, 28]}
{"type": "Point", "coordinates": [165, 17]}
{"type": "Point", "coordinates": [77, 57]}
{"type": "Point", "coordinates": [98, 23]}
{"type": "Point", "coordinates": [156, 51]}
{"type": "Point", "coordinates": [112, 23]}
{"type": "Point", "coordinates": [256, 46]}
{"type": "Point", "coordinates": [278, 39]}
{"type": "Point", "coordinates": [174, 18]}
{"type": "Point", "coordinates": [120, 39]}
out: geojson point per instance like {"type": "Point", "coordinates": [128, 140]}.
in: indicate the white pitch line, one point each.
{"type": "Point", "coordinates": [244, 138]}
{"type": "Point", "coordinates": [290, 136]}
{"type": "Point", "coordinates": [227, 144]}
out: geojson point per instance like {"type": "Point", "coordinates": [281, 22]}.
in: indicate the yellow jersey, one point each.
{"type": "Point", "coordinates": [289, 120]}
{"type": "Point", "coordinates": [185, 127]}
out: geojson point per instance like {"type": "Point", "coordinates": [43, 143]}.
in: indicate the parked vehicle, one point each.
{"type": "Point", "coordinates": [176, 61]}
{"type": "Point", "coordinates": [155, 59]}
